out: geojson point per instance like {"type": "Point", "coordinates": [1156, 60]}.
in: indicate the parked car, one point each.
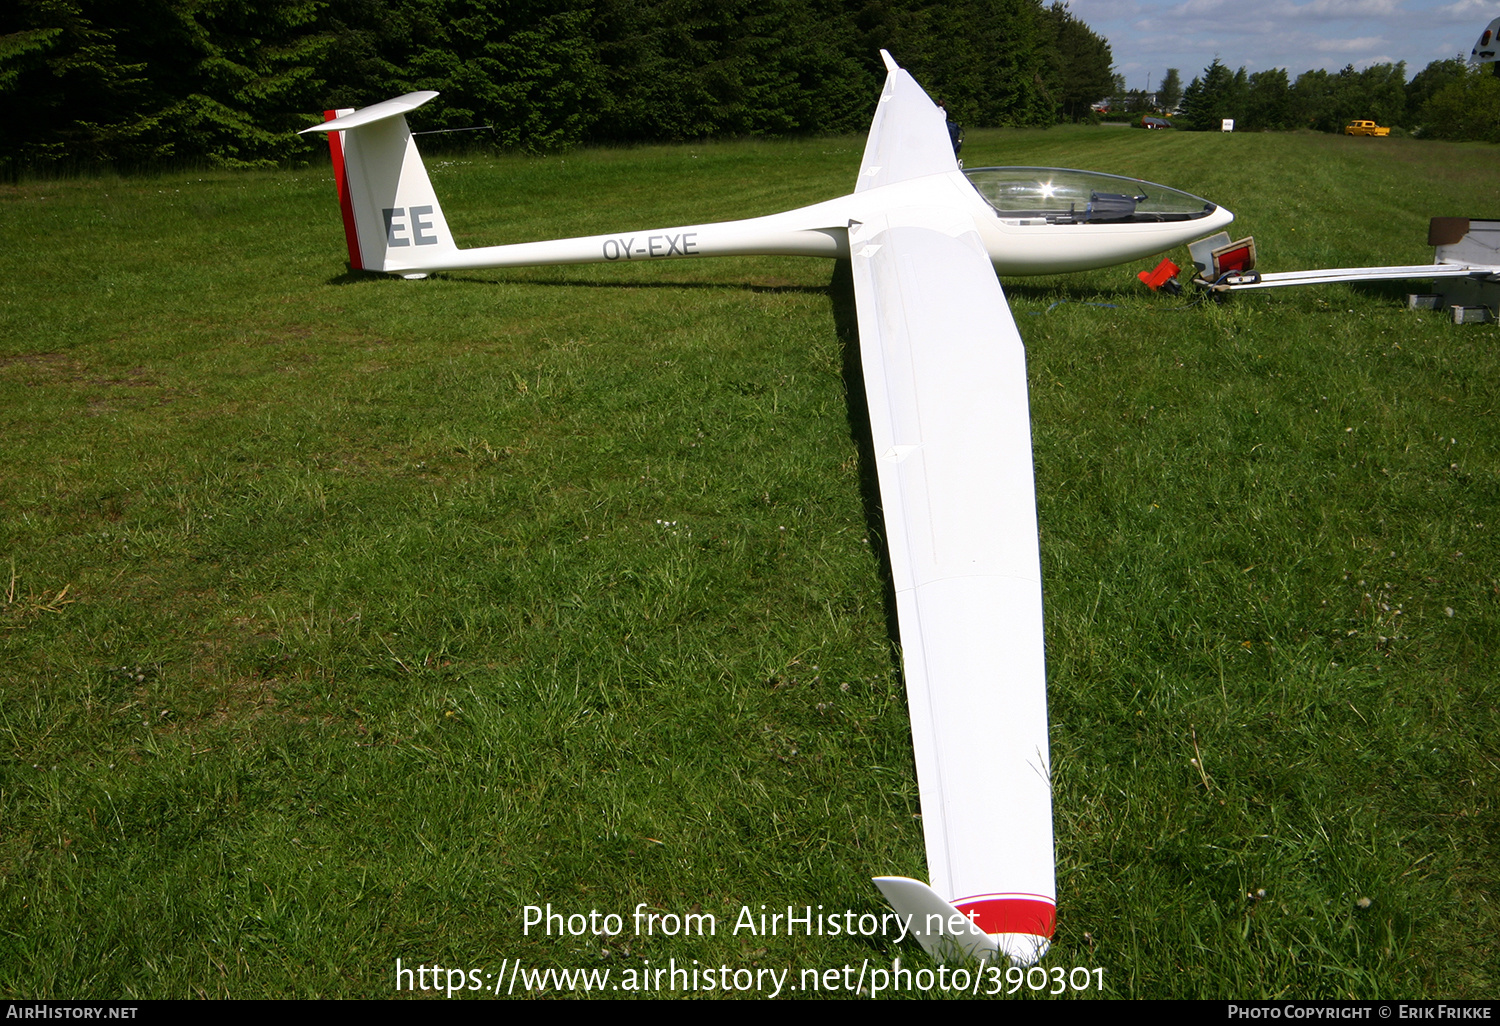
{"type": "Point", "coordinates": [1150, 122]}
{"type": "Point", "coordinates": [1365, 128]}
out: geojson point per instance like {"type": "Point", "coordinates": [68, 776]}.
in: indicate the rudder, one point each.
{"type": "Point", "coordinates": [392, 219]}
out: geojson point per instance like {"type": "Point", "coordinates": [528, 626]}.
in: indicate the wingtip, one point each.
{"type": "Point", "coordinates": [940, 928]}
{"type": "Point", "coordinates": [1012, 917]}
{"type": "Point", "coordinates": [890, 62]}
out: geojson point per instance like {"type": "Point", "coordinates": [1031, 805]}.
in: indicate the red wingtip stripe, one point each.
{"type": "Point", "coordinates": [346, 203]}
{"type": "Point", "coordinates": [1035, 916]}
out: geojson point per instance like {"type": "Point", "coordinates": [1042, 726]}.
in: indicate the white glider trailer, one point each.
{"type": "Point", "coordinates": [945, 376]}
{"type": "Point", "coordinates": [1466, 266]}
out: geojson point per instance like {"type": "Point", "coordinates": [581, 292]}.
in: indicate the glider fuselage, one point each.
{"type": "Point", "coordinates": [1016, 245]}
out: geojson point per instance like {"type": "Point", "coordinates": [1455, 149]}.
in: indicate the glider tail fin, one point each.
{"type": "Point", "coordinates": [392, 219]}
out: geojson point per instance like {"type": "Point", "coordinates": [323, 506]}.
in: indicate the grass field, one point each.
{"type": "Point", "coordinates": [343, 617]}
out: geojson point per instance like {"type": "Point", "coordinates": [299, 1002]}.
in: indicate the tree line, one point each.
{"type": "Point", "coordinates": [229, 82]}
{"type": "Point", "coordinates": [1445, 100]}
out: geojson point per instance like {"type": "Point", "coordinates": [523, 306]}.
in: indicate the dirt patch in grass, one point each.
{"type": "Point", "coordinates": [246, 698]}
{"type": "Point", "coordinates": [40, 368]}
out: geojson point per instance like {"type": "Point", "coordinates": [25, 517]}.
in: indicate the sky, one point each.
{"type": "Point", "coordinates": [1150, 36]}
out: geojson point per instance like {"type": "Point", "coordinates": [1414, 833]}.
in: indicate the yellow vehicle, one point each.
{"type": "Point", "coordinates": [1365, 128]}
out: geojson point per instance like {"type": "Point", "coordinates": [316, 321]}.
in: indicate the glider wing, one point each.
{"type": "Point", "coordinates": [908, 136]}
{"type": "Point", "coordinates": [945, 377]}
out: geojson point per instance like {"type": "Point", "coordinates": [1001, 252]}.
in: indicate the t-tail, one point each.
{"type": "Point", "coordinates": [390, 209]}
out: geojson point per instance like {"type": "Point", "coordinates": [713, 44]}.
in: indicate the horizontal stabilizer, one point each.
{"type": "Point", "coordinates": [375, 112]}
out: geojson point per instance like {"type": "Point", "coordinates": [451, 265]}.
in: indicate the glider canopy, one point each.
{"type": "Point", "coordinates": [1056, 195]}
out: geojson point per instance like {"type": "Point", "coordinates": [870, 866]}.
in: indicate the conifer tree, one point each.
{"type": "Point", "coordinates": [1082, 71]}
{"type": "Point", "coordinates": [1169, 94]}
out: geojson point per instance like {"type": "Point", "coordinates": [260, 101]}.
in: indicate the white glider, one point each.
{"type": "Point", "coordinates": [945, 376]}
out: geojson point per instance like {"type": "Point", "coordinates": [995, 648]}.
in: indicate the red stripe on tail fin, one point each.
{"type": "Point", "coordinates": [346, 204]}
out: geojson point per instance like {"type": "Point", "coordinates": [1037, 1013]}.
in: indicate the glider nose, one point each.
{"type": "Point", "coordinates": [1220, 217]}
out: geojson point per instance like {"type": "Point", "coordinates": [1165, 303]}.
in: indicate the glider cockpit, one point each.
{"type": "Point", "coordinates": [1056, 195]}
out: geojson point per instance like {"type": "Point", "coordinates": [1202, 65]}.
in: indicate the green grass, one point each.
{"type": "Point", "coordinates": [342, 617]}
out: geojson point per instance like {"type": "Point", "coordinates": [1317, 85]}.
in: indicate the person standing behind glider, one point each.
{"type": "Point", "coordinates": [955, 130]}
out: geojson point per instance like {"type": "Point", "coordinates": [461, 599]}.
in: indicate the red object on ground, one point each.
{"type": "Point", "coordinates": [1159, 275]}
